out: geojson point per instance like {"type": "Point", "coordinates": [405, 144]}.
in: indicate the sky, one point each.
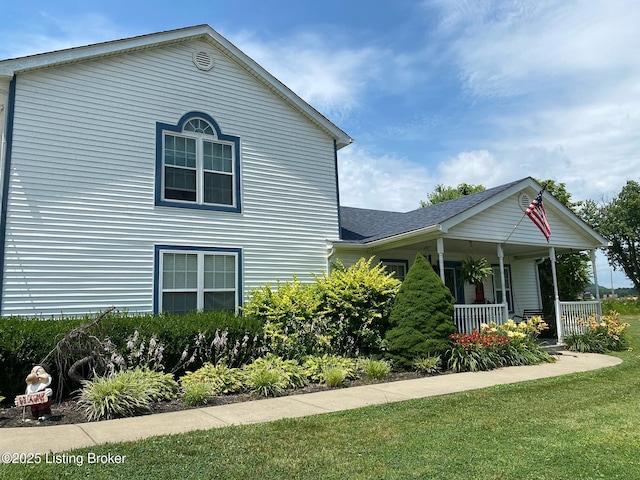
{"type": "Point", "coordinates": [433, 91]}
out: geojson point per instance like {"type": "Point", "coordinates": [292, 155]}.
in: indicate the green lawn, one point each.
{"type": "Point", "coordinates": [581, 426]}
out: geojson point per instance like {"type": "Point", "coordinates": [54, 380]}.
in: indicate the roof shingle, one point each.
{"type": "Point", "coordinates": [361, 225]}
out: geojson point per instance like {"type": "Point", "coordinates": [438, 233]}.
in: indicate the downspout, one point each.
{"type": "Point", "coordinates": [440, 245]}
{"type": "Point", "coordinates": [330, 251]}
{"type": "Point", "coordinates": [7, 139]}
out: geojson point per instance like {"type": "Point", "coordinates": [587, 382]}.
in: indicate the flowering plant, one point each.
{"type": "Point", "coordinates": [496, 346]}
{"type": "Point", "coordinates": [606, 333]}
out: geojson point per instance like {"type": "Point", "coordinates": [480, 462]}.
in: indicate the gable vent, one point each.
{"type": "Point", "coordinates": [203, 60]}
{"type": "Point", "coordinates": [524, 200]}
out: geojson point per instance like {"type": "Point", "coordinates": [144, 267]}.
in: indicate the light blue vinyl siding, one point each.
{"type": "Point", "coordinates": [82, 219]}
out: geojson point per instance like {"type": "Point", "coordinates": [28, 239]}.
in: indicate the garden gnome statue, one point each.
{"type": "Point", "coordinates": [37, 381]}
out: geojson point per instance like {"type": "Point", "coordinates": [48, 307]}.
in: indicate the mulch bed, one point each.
{"type": "Point", "coordinates": [67, 411]}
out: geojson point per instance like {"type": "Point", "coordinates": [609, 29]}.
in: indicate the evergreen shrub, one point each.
{"type": "Point", "coordinates": [421, 317]}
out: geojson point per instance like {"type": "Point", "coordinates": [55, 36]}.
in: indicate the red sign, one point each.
{"type": "Point", "coordinates": [31, 399]}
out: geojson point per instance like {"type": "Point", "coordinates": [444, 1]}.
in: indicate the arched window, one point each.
{"type": "Point", "coordinates": [196, 165]}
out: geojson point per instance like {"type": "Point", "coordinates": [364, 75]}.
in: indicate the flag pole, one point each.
{"type": "Point", "coordinates": [514, 228]}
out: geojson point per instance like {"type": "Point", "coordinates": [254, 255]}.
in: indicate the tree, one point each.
{"type": "Point", "coordinates": [619, 222]}
{"type": "Point", "coordinates": [444, 193]}
{"type": "Point", "coordinates": [421, 317]}
{"type": "Point", "coordinates": [559, 191]}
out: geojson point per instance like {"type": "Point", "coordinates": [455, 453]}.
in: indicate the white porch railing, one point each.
{"type": "Point", "coordinates": [469, 317]}
{"type": "Point", "coordinates": [572, 313]}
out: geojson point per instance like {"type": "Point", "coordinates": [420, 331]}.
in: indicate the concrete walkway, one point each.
{"type": "Point", "coordinates": [57, 438]}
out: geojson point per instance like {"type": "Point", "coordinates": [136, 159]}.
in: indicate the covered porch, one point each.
{"type": "Point", "coordinates": [469, 317]}
{"type": "Point", "coordinates": [490, 225]}
{"type": "Point", "coordinates": [506, 287]}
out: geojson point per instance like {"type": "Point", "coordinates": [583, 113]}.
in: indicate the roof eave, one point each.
{"type": "Point", "coordinates": [395, 238]}
{"type": "Point", "coordinates": [87, 52]}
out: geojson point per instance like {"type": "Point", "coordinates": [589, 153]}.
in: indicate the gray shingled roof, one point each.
{"type": "Point", "coordinates": [361, 225]}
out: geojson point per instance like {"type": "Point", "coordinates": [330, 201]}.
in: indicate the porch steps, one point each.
{"type": "Point", "coordinates": [552, 347]}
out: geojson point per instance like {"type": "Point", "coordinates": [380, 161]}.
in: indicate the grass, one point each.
{"type": "Point", "coordinates": [579, 426]}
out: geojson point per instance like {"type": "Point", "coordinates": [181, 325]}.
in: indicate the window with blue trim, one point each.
{"type": "Point", "coordinates": [191, 279]}
{"type": "Point", "coordinates": [196, 165]}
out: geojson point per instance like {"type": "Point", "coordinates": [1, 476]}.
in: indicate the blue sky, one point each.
{"type": "Point", "coordinates": [433, 91]}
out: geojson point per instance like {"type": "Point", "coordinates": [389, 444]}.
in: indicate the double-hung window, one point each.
{"type": "Point", "coordinates": [399, 267]}
{"type": "Point", "coordinates": [192, 279]}
{"type": "Point", "coordinates": [197, 166]}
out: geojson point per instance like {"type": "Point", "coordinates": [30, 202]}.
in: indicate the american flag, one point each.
{"type": "Point", "coordinates": [535, 211]}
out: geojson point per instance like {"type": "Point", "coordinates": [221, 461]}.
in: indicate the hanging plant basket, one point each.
{"type": "Point", "coordinates": [475, 272]}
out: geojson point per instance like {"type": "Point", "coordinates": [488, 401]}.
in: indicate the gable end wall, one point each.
{"type": "Point", "coordinates": [81, 223]}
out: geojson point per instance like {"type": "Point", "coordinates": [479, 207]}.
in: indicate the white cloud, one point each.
{"type": "Point", "coordinates": [476, 167]}
{"type": "Point", "coordinates": [560, 85]}
{"type": "Point", "coordinates": [57, 33]}
{"type": "Point", "coordinates": [332, 78]}
{"type": "Point", "coordinates": [381, 182]}
{"type": "Point", "coordinates": [510, 48]}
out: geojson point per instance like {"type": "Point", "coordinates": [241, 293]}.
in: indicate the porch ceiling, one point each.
{"type": "Point", "coordinates": [428, 247]}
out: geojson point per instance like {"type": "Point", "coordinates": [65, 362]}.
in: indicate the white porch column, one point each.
{"type": "Point", "coordinates": [592, 253]}
{"type": "Point", "coordinates": [440, 246]}
{"type": "Point", "coordinates": [556, 296]}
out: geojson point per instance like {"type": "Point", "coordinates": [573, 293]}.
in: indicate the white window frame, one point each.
{"type": "Point", "coordinates": [200, 138]}
{"type": "Point", "coordinates": [396, 263]}
{"type": "Point", "coordinates": [200, 289]}
{"type": "Point", "coordinates": [507, 293]}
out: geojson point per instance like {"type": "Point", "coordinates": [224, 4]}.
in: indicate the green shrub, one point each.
{"type": "Point", "coordinates": [355, 303]}
{"type": "Point", "coordinates": [26, 342]}
{"type": "Point", "coordinates": [161, 386]}
{"type": "Point", "coordinates": [421, 317]}
{"type": "Point", "coordinates": [183, 341]}
{"type": "Point", "coordinates": [345, 312]}
{"type": "Point", "coordinates": [221, 379]}
{"type": "Point", "coordinates": [624, 306]}
{"type": "Point", "coordinates": [373, 370]}
{"type": "Point", "coordinates": [289, 315]}
{"type": "Point", "coordinates": [334, 377]}
{"type": "Point", "coordinates": [125, 394]}
{"type": "Point", "coordinates": [272, 375]}
{"type": "Point", "coordinates": [197, 393]}
{"type": "Point", "coordinates": [315, 366]}
{"type": "Point", "coordinates": [429, 365]}
{"type": "Point", "coordinates": [267, 382]}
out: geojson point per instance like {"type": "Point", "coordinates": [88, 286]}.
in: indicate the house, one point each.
{"type": "Point", "coordinates": [161, 172]}
{"type": "Point", "coordinates": [171, 172]}
{"type": "Point", "coordinates": [490, 224]}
